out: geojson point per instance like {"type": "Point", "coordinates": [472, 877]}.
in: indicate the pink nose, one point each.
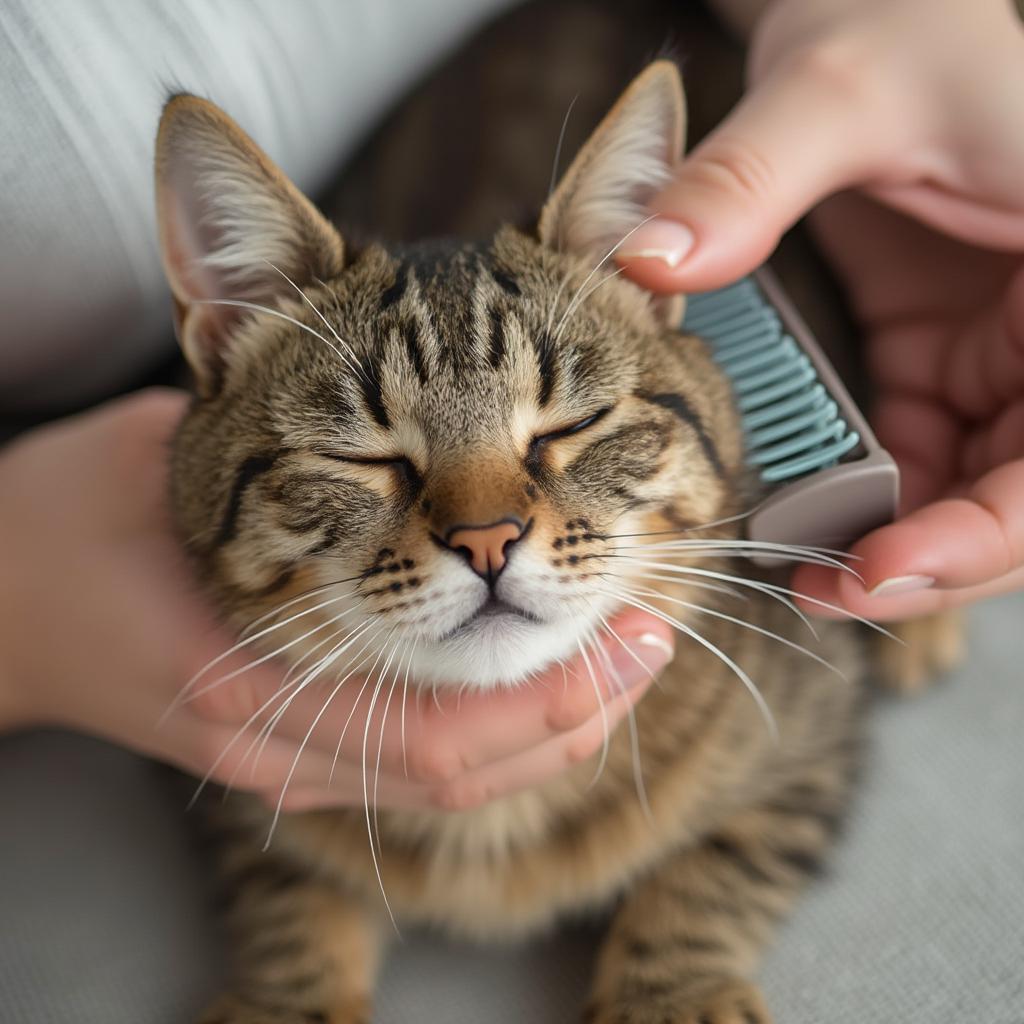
{"type": "Point", "coordinates": [484, 547]}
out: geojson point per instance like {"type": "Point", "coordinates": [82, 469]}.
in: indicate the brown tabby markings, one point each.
{"type": "Point", "coordinates": [463, 388]}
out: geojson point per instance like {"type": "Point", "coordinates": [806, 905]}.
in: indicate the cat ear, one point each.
{"type": "Point", "coordinates": [231, 225]}
{"type": "Point", "coordinates": [626, 161]}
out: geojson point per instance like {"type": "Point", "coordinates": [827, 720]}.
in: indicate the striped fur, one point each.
{"type": "Point", "coordinates": [359, 418]}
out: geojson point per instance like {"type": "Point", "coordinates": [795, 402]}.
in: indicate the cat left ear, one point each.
{"type": "Point", "coordinates": [628, 159]}
{"type": "Point", "coordinates": [231, 227]}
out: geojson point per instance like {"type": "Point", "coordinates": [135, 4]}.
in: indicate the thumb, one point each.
{"type": "Point", "coordinates": [805, 131]}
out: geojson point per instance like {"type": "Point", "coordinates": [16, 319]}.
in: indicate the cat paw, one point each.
{"type": "Point", "coordinates": [231, 1009]}
{"type": "Point", "coordinates": [733, 1002]}
{"type": "Point", "coordinates": [931, 646]}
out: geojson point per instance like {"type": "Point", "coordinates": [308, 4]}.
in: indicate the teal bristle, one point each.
{"type": "Point", "coordinates": [791, 425]}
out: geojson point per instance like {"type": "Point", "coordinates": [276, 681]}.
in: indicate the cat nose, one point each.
{"type": "Point", "coordinates": [486, 547]}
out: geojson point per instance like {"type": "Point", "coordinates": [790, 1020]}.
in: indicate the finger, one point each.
{"type": "Point", "coordinates": [992, 225]}
{"type": "Point", "coordinates": [910, 359]}
{"type": "Point", "coordinates": [346, 790]}
{"type": "Point", "coordinates": [924, 439]}
{"type": "Point", "coordinates": [242, 758]}
{"type": "Point", "coordinates": [249, 760]}
{"type": "Point", "coordinates": [530, 768]}
{"type": "Point", "coordinates": [915, 268]}
{"type": "Point", "coordinates": [967, 546]}
{"type": "Point", "coordinates": [785, 146]}
{"type": "Point", "coordinates": [445, 733]}
{"type": "Point", "coordinates": [957, 542]}
{"type": "Point", "coordinates": [826, 585]}
{"type": "Point", "coordinates": [393, 794]}
{"type": "Point", "coordinates": [1000, 442]}
{"type": "Point", "coordinates": [984, 369]}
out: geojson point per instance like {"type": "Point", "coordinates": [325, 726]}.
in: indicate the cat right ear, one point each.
{"type": "Point", "coordinates": [232, 228]}
{"type": "Point", "coordinates": [623, 165]}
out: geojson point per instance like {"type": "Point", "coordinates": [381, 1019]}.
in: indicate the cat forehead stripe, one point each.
{"type": "Point", "coordinates": [394, 293]}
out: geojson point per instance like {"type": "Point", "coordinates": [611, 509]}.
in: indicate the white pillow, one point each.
{"type": "Point", "coordinates": [83, 306]}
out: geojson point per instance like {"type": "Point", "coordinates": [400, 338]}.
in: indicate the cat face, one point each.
{"type": "Point", "coordinates": [438, 453]}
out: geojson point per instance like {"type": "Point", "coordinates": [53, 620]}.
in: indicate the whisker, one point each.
{"type": "Point", "coordinates": [295, 761]}
{"type": "Point", "coordinates": [690, 571]}
{"type": "Point", "coordinates": [310, 676]}
{"type": "Point", "coordinates": [558, 152]}
{"type": "Point", "coordinates": [366, 795]}
{"type": "Point", "coordinates": [299, 662]}
{"type": "Point", "coordinates": [718, 588]}
{"type": "Point", "coordinates": [405, 693]}
{"type": "Point", "coordinates": [604, 713]}
{"type": "Point", "coordinates": [671, 620]}
{"type": "Point", "coordinates": [293, 601]}
{"type": "Point", "coordinates": [648, 592]}
{"type": "Point", "coordinates": [634, 732]}
{"type": "Point", "coordinates": [353, 362]}
{"type": "Point", "coordinates": [712, 524]}
{"type": "Point", "coordinates": [604, 259]}
{"type": "Point", "coordinates": [604, 280]}
{"type": "Point", "coordinates": [204, 782]}
{"type": "Point", "coordinates": [262, 659]}
{"type": "Point", "coordinates": [257, 308]}
{"type": "Point", "coordinates": [741, 549]}
{"type": "Point", "coordinates": [184, 694]}
{"type": "Point", "coordinates": [355, 704]}
{"type": "Point", "coordinates": [380, 744]}
{"type": "Point", "coordinates": [772, 588]}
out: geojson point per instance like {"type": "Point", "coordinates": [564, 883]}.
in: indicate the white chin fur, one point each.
{"type": "Point", "coordinates": [495, 651]}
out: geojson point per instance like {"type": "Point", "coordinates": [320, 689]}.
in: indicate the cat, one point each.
{"type": "Point", "coordinates": [452, 442]}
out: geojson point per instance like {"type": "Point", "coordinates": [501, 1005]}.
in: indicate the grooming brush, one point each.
{"type": "Point", "coordinates": [827, 479]}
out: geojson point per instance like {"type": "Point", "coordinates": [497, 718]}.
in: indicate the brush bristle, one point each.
{"type": "Point", "coordinates": [791, 424]}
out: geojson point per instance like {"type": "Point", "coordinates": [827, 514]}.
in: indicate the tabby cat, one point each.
{"type": "Point", "coordinates": [462, 454]}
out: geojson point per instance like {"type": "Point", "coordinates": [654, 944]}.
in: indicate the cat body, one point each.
{"type": "Point", "coordinates": [451, 464]}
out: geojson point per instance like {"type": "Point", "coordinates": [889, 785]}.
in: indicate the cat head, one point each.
{"type": "Point", "coordinates": [441, 450]}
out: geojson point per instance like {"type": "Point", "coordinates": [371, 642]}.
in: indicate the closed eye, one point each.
{"type": "Point", "coordinates": [401, 464]}
{"type": "Point", "coordinates": [573, 428]}
{"type": "Point", "coordinates": [534, 454]}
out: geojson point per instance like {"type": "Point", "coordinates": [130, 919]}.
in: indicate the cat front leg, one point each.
{"type": "Point", "coordinates": [688, 938]}
{"type": "Point", "coordinates": [303, 951]}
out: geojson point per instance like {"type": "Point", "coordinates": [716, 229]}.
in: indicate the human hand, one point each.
{"type": "Point", "coordinates": [944, 325]}
{"type": "Point", "coordinates": [914, 104]}
{"type": "Point", "coordinates": [101, 627]}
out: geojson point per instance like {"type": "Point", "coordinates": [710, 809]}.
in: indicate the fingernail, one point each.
{"type": "Point", "coordinates": [901, 585]}
{"type": "Point", "coordinates": [644, 657]}
{"type": "Point", "coordinates": [658, 239]}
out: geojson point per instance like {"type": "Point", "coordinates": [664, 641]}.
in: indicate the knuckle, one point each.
{"type": "Point", "coordinates": [574, 708]}
{"type": "Point", "coordinates": [733, 166]}
{"type": "Point", "coordinates": [839, 66]}
{"type": "Point", "coordinates": [583, 747]}
{"type": "Point", "coordinates": [221, 703]}
{"type": "Point", "coordinates": [565, 718]}
{"type": "Point", "coordinates": [434, 764]}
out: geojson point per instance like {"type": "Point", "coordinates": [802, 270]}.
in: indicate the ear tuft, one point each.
{"type": "Point", "coordinates": [624, 164]}
{"type": "Point", "coordinates": [232, 226]}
